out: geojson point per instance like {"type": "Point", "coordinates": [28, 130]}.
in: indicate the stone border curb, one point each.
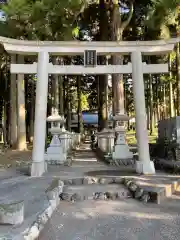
{"type": "Point", "coordinates": [136, 190]}
{"type": "Point", "coordinates": [52, 193]}
{"type": "Point", "coordinates": [145, 193]}
{"type": "Point", "coordinates": [142, 193]}
{"type": "Point", "coordinates": [32, 233]}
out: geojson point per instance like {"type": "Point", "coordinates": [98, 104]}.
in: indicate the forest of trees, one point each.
{"type": "Point", "coordinates": [89, 20]}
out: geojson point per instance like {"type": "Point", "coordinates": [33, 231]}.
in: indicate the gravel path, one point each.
{"type": "Point", "coordinates": [110, 220]}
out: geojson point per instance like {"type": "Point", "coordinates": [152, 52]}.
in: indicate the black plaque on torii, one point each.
{"type": "Point", "coordinates": [90, 58]}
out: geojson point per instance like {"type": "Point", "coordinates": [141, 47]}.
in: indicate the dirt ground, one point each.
{"type": "Point", "coordinates": [11, 158]}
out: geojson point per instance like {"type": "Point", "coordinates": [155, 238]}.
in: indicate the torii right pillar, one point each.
{"type": "Point", "coordinates": [144, 165]}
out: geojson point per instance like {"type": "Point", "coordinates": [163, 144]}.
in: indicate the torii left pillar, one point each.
{"type": "Point", "coordinates": [38, 164]}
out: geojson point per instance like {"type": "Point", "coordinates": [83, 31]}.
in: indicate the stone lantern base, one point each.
{"type": "Point", "coordinates": [55, 152]}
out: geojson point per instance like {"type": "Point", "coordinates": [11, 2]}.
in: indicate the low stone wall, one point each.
{"type": "Point", "coordinates": [136, 191]}
{"type": "Point", "coordinates": [103, 189]}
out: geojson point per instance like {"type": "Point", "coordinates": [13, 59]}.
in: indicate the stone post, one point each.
{"type": "Point", "coordinates": [144, 165]}
{"type": "Point", "coordinates": [21, 109]}
{"type": "Point", "coordinates": [38, 165]}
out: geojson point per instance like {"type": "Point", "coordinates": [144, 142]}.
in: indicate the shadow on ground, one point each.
{"type": "Point", "coordinates": [123, 172]}
{"type": "Point", "coordinates": [104, 220]}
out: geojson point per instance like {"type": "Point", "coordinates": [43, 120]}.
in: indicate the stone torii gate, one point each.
{"type": "Point", "coordinates": [43, 68]}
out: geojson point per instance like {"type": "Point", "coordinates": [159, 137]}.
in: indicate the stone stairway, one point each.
{"type": "Point", "coordinates": [161, 186]}
{"type": "Point", "coordinates": [85, 156]}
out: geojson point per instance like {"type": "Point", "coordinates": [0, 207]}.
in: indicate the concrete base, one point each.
{"type": "Point", "coordinates": [59, 158]}
{"type": "Point", "coordinates": [121, 149]}
{"type": "Point", "coordinates": [145, 167]}
{"type": "Point", "coordinates": [55, 151]}
{"type": "Point", "coordinates": [38, 168]}
{"type": "Point", "coordinates": [122, 152]}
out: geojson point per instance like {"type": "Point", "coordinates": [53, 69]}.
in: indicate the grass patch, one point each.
{"type": "Point", "coordinates": [131, 137]}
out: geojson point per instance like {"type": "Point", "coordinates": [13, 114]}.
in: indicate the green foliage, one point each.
{"type": "Point", "coordinates": [164, 14]}
{"type": "Point", "coordinates": [74, 101]}
{"type": "Point", "coordinates": [84, 102]}
{"type": "Point", "coordinates": [42, 20]}
{"type": "Point", "coordinates": [75, 32]}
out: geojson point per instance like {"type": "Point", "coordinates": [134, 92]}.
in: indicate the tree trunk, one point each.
{"type": "Point", "coordinates": [178, 77]}
{"type": "Point", "coordinates": [171, 100]}
{"type": "Point", "coordinates": [102, 113]}
{"type": "Point", "coordinates": [13, 107]}
{"type": "Point", "coordinates": [151, 105]}
{"type": "Point", "coordinates": [79, 112]}
{"type": "Point", "coordinates": [21, 110]}
{"type": "Point", "coordinates": [164, 101]}
{"type": "Point", "coordinates": [68, 103]}
{"type": "Point", "coordinates": [55, 92]}
{"type": "Point", "coordinates": [147, 103]}
{"type": "Point", "coordinates": [32, 112]}
{"type": "Point", "coordinates": [102, 79]}
{"type": "Point", "coordinates": [1, 119]}
{"type": "Point", "coordinates": [118, 87]}
{"type": "Point", "coordinates": [148, 117]}
{"type": "Point", "coordinates": [157, 100]}
{"type": "Point", "coordinates": [61, 100]}
{"type": "Point", "coordinates": [5, 124]}
{"type": "Point", "coordinates": [117, 28]}
{"type": "Point", "coordinates": [117, 79]}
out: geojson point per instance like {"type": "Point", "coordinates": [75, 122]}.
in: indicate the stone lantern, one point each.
{"type": "Point", "coordinates": [55, 153]}
{"type": "Point", "coordinates": [106, 140]}
{"type": "Point", "coordinates": [121, 153]}
{"type": "Point", "coordinates": [65, 137]}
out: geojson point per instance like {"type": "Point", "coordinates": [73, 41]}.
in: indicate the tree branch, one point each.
{"type": "Point", "coordinates": [126, 23]}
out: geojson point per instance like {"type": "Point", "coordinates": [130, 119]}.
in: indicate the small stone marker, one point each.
{"type": "Point", "coordinates": [12, 213]}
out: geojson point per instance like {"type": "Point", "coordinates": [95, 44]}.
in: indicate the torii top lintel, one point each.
{"type": "Point", "coordinates": [26, 47]}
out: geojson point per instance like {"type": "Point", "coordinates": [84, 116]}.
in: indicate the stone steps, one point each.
{"type": "Point", "coordinates": [149, 188]}
{"type": "Point", "coordinates": [96, 192]}
{"type": "Point", "coordinates": [159, 187]}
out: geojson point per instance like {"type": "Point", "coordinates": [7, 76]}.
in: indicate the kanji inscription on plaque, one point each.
{"type": "Point", "coordinates": [90, 58]}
